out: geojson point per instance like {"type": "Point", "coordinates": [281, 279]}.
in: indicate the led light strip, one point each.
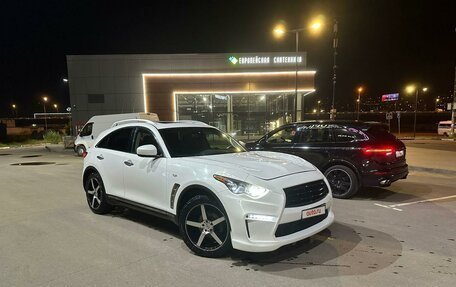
{"type": "Point", "coordinates": [144, 75]}
{"type": "Point", "coordinates": [225, 74]}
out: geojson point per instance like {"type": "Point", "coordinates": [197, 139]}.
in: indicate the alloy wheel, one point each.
{"type": "Point", "coordinates": [206, 227]}
{"type": "Point", "coordinates": [340, 181]}
{"type": "Point", "coordinates": [94, 193]}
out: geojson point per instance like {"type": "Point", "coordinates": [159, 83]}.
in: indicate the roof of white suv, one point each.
{"type": "Point", "coordinates": [163, 124]}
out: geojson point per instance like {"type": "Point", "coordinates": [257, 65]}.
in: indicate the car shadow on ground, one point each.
{"type": "Point", "coordinates": [342, 249]}
{"type": "Point", "coordinates": [395, 194]}
{"type": "Point", "coordinates": [145, 219]}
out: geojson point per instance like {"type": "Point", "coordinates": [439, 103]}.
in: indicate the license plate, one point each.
{"type": "Point", "coordinates": [399, 153]}
{"type": "Point", "coordinates": [313, 212]}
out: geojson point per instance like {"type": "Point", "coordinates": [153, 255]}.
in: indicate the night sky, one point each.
{"type": "Point", "coordinates": [383, 45]}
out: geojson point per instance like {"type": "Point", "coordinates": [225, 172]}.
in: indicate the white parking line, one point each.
{"type": "Point", "coordinates": [425, 200]}
{"type": "Point", "coordinates": [387, 206]}
{"type": "Point", "coordinates": [394, 206]}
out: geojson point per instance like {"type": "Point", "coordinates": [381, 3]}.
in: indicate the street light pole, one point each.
{"type": "Point", "coordinates": [14, 110]}
{"type": "Point", "coordinates": [44, 108]}
{"type": "Point", "coordinates": [358, 101]}
{"type": "Point", "coordinates": [453, 108]}
{"type": "Point", "coordinates": [335, 44]}
{"type": "Point", "coordinates": [279, 31]}
{"type": "Point", "coordinates": [296, 78]}
{"type": "Point", "coordinates": [318, 110]}
{"type": "Point", "coordinates": [416, 107]}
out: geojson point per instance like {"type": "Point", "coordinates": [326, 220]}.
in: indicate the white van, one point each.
{"type": "Point", "coordinates": [97, 124]}
{"type": "Point", "coordinates": [444, 128]}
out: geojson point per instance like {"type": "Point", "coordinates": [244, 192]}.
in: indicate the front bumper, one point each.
{"type": "Point", "coordinates": [255, 223]}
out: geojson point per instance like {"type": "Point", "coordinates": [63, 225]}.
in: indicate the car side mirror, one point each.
{"type": "Point", "coordinates": [148, 150]}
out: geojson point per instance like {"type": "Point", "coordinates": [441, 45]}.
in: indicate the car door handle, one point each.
{"type": "Point", "coordinates": [100, 157]}
{"type": "Point", "coordinates": [128, 163]}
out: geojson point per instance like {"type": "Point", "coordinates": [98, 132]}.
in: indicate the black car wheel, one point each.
{"type": "Point", "coordinates": [80, 149]}
{"type": "Point", "coordinates": [343, 181]}
{"type": "Point", "coordinates": [95, 193]}
{"type": "Point", "coordinates": [204, 227]}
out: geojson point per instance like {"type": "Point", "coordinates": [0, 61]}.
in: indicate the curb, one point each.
{"type": "Point", "coordinates": [432, 170]}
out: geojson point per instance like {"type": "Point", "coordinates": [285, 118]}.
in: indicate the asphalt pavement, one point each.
{"type": "Point", "coordinates": [403, 235]}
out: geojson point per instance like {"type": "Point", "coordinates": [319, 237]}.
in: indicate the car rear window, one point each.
{"type": "Point", "coordinates": [380, 132]}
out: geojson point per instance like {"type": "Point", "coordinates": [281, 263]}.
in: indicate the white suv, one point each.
{"type": "Point", "coordinates": [220, 195]}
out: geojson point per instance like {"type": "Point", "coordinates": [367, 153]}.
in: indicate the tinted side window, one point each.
{"type": "Point", "coordinates": [348, 135]}
{"type": "Point", "coordinates": [118, 140]}
{"type": "Point", "coordinates": [315, 135]}
{"type": "Point", "coordinates": [380, 132]}
{"type": "Point", "coordinates": [87, 130]}
{"type": "Point", "coordinates": [284, 135]}
{"type": "Point", "coordinates": [144, 136]}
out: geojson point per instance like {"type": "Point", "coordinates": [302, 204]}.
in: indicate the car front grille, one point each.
{"type": "Point", "coordinates": [304, 194]}
{"type": "Point", "coordinates": [295, 226]}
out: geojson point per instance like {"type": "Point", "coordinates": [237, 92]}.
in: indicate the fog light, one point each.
{"type": "Point", "coordinates": [259, 217]}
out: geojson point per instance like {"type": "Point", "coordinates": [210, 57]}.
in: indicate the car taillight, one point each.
{"type": "Point", "coordinates": [84, 154]}
{"type": "Point", "coordinates": [387, 150]}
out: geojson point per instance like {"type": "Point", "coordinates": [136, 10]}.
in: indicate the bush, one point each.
{"type": "Point", "coordinates": [52, 137]}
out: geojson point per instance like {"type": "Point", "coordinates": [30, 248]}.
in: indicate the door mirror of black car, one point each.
{"type": "Point", "coordinates": [148, 150]}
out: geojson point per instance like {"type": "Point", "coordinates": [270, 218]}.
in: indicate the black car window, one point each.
{"type": "Point", "coordinates": [381, 132]}
{"type": "Point", "coordinates": [315, 135]}
{"type": "Point", "coordinates": [345, 134]}
{"type": "Point", "coordinates": [144, 136]}
{"type": "Point", "coordinates": [198, 141]}
{"type": "Point", "coordinates": [86, 130]}
{"type": "Point", "coordinates": [284, 135]}
{"type": "Point", "coordinates": [117, 140]}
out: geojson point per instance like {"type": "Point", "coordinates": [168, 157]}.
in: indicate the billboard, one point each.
{"type": "Point", "coordinates": [390, 97]}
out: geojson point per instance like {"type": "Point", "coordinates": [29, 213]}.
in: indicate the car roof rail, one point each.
{"type": "Point", "coordinates": [129, 121]}
{"type": "Point", "coordinates": [192, 122]}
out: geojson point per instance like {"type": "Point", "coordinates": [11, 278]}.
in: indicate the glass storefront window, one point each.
{"type": "Point", "coordinates": [245, 116]}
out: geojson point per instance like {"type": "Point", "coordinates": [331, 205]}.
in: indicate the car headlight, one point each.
{"type": "Point", "coordinates": [242, 187]}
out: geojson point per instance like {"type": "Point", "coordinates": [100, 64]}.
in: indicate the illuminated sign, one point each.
{"type": "Point", "coordinates": [259, 60]}
{"type": "Point", "coordinates": [390, 97]}
{"type": "Point", "coordinates": [233, 60]}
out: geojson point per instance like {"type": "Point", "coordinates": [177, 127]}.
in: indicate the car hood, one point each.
{"type": "Point", "coordinates": [261, 164]}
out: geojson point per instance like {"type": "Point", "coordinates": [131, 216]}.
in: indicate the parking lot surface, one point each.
{"type": "Point", "coordinates": [404, 235]}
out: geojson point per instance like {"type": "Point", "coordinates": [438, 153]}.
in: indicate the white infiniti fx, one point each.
{"type": "Point", "coordinates": [220, 195]}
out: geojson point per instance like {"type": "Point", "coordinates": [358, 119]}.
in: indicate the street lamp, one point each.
{"type": "Point", "coordinates": [279, 32]}
{"type": "Point", "coordinates": [318, 110]}
{"type": "Point", "coordinates": [45, 99]}
{"type": "Point", "coordinates": [13, 106]}
{"type": "Point", "coordinates": [436, 103]}
{"type": "Point", "coordinates": [360, 89]}
{"type": "Point", "coordinates": [56, 108]}
{"type": "Point", "coordinates": [65, 80]}
{"type": "Point", "coordinates": [410, 89]}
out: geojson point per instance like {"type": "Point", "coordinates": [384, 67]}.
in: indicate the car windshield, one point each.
{"type": "Point", "coordinates": [197, 141]}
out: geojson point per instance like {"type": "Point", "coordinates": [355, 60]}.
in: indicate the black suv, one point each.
{"type": "Point", "coordinates": [351, 154]}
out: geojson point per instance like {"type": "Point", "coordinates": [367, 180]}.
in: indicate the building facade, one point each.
{"type": "Point", "coordinates": [243, 94]}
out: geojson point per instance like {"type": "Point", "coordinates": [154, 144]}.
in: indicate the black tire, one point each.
{"type": "Point", "coordinates": [80, 149]}
{"type": "Point", "coordinates": [96, 195]}
{"type": "Point", "coordinates": [216, 241]}
{"type": "Point", "coordinates": [343, 181]}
